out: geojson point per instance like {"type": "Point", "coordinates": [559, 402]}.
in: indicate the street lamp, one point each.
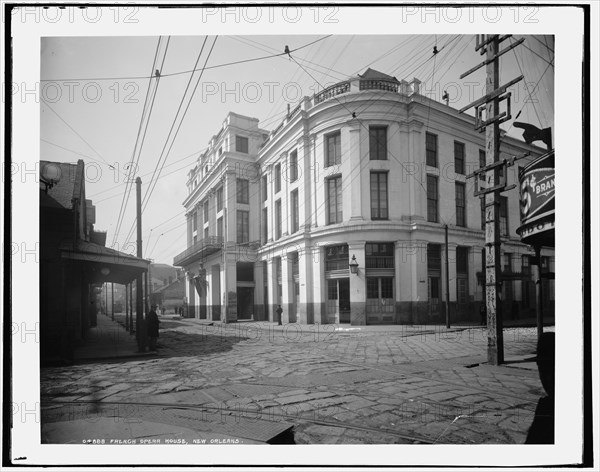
{"type": "Point", "coordinates": [51, 174]}
{"type": "Point", "coordinates": [353, 265]}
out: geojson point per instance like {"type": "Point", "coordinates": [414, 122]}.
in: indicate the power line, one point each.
{"type": "Point", "coordinates": [173, 74]}
{"type": "Point", "coordinates": [128, 182]}
{"type": "Point", "coordinates": [541, 57]}
{"type": "Point", "coordinates": [75, 131]}
{"type": "Point", "coordinates": [150, 190]}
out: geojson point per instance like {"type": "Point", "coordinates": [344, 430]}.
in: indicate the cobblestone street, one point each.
{"type": "Point", "coordinates": [373, 385]}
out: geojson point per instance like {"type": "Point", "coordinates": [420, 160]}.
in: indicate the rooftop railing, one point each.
{"type": "Point", "coordinates": [333, 91]}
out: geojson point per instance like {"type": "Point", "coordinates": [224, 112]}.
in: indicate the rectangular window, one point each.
{"type": "Point", "coordinates": [334, 200]}
{"type": "Point", "coordinates": [195, 221]}
{"type": "Point", "coordinates": [243, 191]}
{"type": "Point", "coordinates": [461, 211]}
{"type": "Point", "coordinates": [220, 227]}
{"type": "Point", "coordinates": [431, 145]}
{"type": "Point", "coordinates": [432, 198]}
{"type": "Point", "coordinates": [387, 287]}
{"type": "Point", "coordinates": [482, 205]}
{"type": "Point", "coordinates": [372, 287]}
{"type": "Point", "coordinates": [379, 255]}
{"type": "Point", "coordinates": [379, 196]}
{"type": "Point", "coordinates": [241, 144]}
{"type": "Point", "coordinates": [378, 143]}
{"type": "Point", "coordinates": [294, 211]}
{"type": "Point", "coordinates": [336, 257]}
{"type": "Point", "coordinates": [525, 265]}
{"type": "Point", "coordinates": [206, 211]}
{"type": "Point", "coordinates": [265, 225]}
{"type": "Point", "coordinates": [265, 188]}
{"type": "Point", "coordinates": [462, 260]}
{"type": "Point", "coordinates": [507, 262]}
{"type": "Point", "coordinates": [206, 233]}
{"type": "Point", "coordinates": [504, 216]}
{"type": "Point", "coordinates": [293, 166]}
{"type": "Point", "coordinates": [278, 219]}
{"type": "Point", "coordinates": [333, 149]}
{"type": "Point", "coordinates": [434, 257]}
{"type": "Point", "coordinates": [243, 226]}
{"type": "Point", "coordinates": [459, 158]}
{"type": "Point", "coordinates": [482, 164]}
{"type": "Point", "coordinates": [277, 178]}
{"type": "Point", "coordinates": [219, 199]}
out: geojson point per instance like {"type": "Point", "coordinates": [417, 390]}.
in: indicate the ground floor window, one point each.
{"type": "Point", "coordinates": [380, 294]}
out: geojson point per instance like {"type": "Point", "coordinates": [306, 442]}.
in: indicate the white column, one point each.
{"type": "Point", "coordinates": [229, 288]}
{"type": "Point", "coordinates": [272, 289]}
{"type": "Point", "coordinates": [259, 291]}
{"type": "Point", "coordinates": [358, 284]}
{"type": "Point", "coordinates": [286, 275]}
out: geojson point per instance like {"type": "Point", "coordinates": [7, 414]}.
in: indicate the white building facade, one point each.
{"type": "Point", "coordinates": [366, 173]}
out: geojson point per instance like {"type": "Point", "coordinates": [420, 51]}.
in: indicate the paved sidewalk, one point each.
{"type": "Point", "coordinates": [108, 340]}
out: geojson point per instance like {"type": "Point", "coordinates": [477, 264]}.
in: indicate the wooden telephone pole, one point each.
{"type": "Point", "coordinates": [490, 104]}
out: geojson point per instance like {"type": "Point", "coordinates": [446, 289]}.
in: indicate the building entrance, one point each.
{"type": "Point", "coordinates": [245, 303]}
{"type": "Point", "coordinates": [338, 300]}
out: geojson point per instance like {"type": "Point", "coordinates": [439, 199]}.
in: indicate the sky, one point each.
{"type": "Point", "coordinates": [94, 88]}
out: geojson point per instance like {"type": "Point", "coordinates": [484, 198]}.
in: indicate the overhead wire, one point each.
{"type": "Point", "coordinates": [173, 74]}
{"type": "Point", "coordinates": [145, 109]}
{"type": "Point", "coordinates": [151, 189]}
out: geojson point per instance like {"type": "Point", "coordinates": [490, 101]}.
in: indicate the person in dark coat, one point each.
{"type": "Point", "coordinates": [152, 326]}
{"type": "Point", "coordinates": [279, 311]}
{"type": "Point", "coordinates": [542, 428]}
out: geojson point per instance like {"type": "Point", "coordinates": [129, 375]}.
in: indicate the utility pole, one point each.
{"type": "Point", "coordinates": [447, 279]}
{"type": "Point", "coordinates": [139, 284]}
{"type": "Point", "coordinates": [112, 300]}
{"type": "Point", "coordinates": [490, 104]}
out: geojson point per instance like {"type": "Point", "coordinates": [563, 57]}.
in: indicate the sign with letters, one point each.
{"type": "Point", "coordinates": [537, 198]}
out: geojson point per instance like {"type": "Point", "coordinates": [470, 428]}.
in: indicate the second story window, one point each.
{"type": "Point", "coordinates": [294, 211]}
{"type": "Point", "coordinates": [241, 144]}
{"type": "Point", "coordinates": [293, 166]}
{"type": "Point", "coordinates": [277, 177]}
{"type": "Point", "coordinates": [243, 191]}
{"type": "Point", "coordinates": [432, 198]}
{"type": "Point", "coordinates": [195, 221]}
{"type": "Point", "coordinates": [278, 219]}
{"type": "Point", "coordinates": [334, 200]}
{"type": "Point", "coordinates": [459, 158]}
{"type": "Point", "coordinates": [461, 214]}
{"type": "Point", "coordinates": [503, 216]}
{"type": "Point", "coordinates": [205, 211]}
{"type": "Point", "coordinates": [265, 225]}
{"type": "Point", "coordinates": [333, 149]}
{"type": "Point", "coordinates": [219, 199]}
{"type": "Point", "coordinates": [431, 145]}
{"type": "Point", "coordinates": [243, 226]}
{"type": "Point", "coordinates": [482, 164]}
{"type": "Point", "coordinates": [379, 196]}
{"type": "Point", "coordinates": [220, 227]}
{"type": "Point", "coordinates": [265, 188]}
{"type": "Point", "coordinates": [378, 143]}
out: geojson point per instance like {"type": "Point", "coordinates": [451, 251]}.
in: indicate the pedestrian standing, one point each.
{"type": "Point", "coordinates": [152, 327]}
{"type": "Point", "coordinates": [279, 311]}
